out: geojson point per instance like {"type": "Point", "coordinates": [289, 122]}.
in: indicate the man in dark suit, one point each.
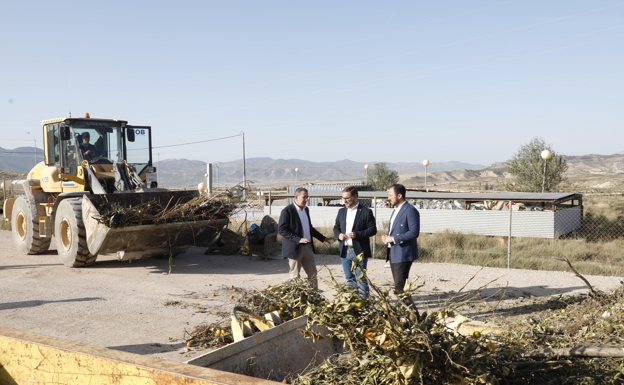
{"type": "Point", "coordinates": [355, 224]}
{"type": "Point", "coordinates": [403, 230]}
{"type": "Point", "coordinates": [297, 231]}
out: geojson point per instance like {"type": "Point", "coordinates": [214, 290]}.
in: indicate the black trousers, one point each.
{"type": "Point", "coordinates": [400, 274]}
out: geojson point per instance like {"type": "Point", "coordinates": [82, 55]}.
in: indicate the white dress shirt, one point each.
{"type": "Point", "coordinates": [305, 222]}
{"type": "Point", "coordinates": [350, 221]}
{"type": "Point", "coordinates": [392, 218]}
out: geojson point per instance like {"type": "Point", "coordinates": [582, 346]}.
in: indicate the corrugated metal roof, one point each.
{"type": "Point", "coordinates": [493, 196]}
{"type": "Point", "coordinates": [465, 196]}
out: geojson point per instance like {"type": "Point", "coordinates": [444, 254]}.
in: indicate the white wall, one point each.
{"type": "Point", "coordinates": [536, 224]}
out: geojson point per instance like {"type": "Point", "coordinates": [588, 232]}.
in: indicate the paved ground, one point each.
{"type": "Point", "coordinates": [140, 307]}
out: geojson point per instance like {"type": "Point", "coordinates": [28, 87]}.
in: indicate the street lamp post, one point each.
{"type": "Point", "coordinates": [426, 163]}
{"type": "Point", "coordinates": [35, 140]}
{"type": "Point", "coordinates": [296, 174]}
{"type": "Point", "coordinates": [546, 154]}
{"type": "Point", "coordinates": [366, 168]}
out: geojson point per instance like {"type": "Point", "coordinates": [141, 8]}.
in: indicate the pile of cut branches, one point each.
{"type": "Point", "coordinates": [290, 300]}
{"type": "Point", "coordinates": [391, 343]}
{"type": "Point", "coordinates": [575, 340]}
{"type": "Point", "coordinates": [153, 212]}
{"type": "Point", "coordinates": [214, 335]}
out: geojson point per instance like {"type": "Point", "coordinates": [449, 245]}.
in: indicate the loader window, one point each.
{"type": "Point", "coordinates": [52, 151]}
{"type": "Point", "coordinates": [138, 152]}
{"type": "Point", "coordinates": [107, 146]}
{"type": "Point", "coordinates": [104, 144]}
{"type": "Point", "coordinates": [69, 156]}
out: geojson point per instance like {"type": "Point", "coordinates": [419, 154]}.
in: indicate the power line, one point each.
{"type": "Point", "coordinates": [18, 152]}
{"type": "Point", "coordinates": [200, 141]}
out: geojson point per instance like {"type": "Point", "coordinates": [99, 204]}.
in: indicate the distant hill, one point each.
{"type": "Point", "coordinates": [596, 164]}
{"type": "Point", "coordinates": [20, 159]}
{"type": "Point", "coordinates": [265, 172]}
{"type": "Point", "coordinates": [268, 171]}
{"type": "Point", "coordinates": [585, 173]}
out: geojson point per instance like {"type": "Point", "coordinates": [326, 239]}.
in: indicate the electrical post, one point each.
{"type": "Point", "coordinates": [244, 171]}
{"type": "Point", "coordinates": [426, 163]}
{"type": "Point", "coordinates": [35, 140]}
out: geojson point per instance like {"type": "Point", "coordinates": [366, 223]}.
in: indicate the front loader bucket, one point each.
{"type": "Point", "coordinates": [145, 239]}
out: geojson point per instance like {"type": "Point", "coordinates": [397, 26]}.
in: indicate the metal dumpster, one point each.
{"type": "Point", "coordinates": [274, 354]}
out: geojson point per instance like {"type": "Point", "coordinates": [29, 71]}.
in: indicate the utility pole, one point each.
{"type": "Point", "coordinates": [35, 139]}
{"type": "Point", "coordinates": [244, 170]}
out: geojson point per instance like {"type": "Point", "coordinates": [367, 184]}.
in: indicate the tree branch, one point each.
{"type": "Point", "coordinates": [577, 351]}
{"type": "Point", "coordinates": [591, 289]}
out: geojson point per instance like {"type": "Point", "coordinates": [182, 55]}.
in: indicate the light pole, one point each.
{"type": "Point", "coordinates": [546, 154]}
{"type": "Point", "coordinates": [217, 164]}
{"type": "Point", "coordinates": [296, 174]}
{"type": "Point", "coordinates": [35, 139]}
{"type": "Point", "coordinates": [426, 163]}
{"type": "Point", "coordinates": [366, 168]}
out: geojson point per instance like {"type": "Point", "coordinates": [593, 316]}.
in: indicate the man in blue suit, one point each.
{"type": "Point", "coordinates": [297, 231]}
{"type": "Point", "coordinates": [403, 230]}
{"type": "Point", "coordinates": [355, 224]}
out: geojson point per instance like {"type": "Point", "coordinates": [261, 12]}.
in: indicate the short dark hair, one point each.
{"type": "Point", "coordinates": [300, 190]}
{"type": "Point", "coordinates": [351, 190]}
{"type": "Point", "coordinates": [86, 133]}
{"type": "Point", "coordinates": [398, 189]}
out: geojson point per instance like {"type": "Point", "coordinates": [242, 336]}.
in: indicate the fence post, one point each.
{"type": "Point", "coordinates": [270, 202]}
{"type": "Point", "coordinates": [375, 236]}
{"type": "Point", "coordinates": [509, 238]}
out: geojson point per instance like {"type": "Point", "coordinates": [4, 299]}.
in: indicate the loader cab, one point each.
{"type": "Point", "coordinates": [101, 142]}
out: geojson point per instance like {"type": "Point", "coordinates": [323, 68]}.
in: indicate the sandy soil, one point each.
{"type": "Point", "coordinates": [140, 307]}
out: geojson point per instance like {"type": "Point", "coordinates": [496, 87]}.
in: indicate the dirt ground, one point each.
{"type": "Point", "coordinates": [140, 307]}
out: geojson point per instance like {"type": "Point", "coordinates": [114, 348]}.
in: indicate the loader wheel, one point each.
{"type": "Point", "coordinates": [25, 228]}
{"type": "Point", "coordinates": [70, 234]}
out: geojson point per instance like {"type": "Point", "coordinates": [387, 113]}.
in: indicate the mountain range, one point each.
{"type": "Point", "coordinates": [272, 172]}
{"type": "Point", "coordinates": [268, 172]}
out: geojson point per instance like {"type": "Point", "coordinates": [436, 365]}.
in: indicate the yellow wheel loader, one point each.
{"type": "Point", "coordinates": [91, 165]}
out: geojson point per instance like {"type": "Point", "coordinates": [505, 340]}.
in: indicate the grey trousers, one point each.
{"type": "Point", "coordinates": [306, 260]}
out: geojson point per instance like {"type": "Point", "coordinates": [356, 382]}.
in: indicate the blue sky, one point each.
{"type": "Point", "coordinates": [370, 81]}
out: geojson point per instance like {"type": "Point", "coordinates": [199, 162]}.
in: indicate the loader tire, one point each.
{"type": "Point", "coordinates": [70, 234]}
{"type": "Point", "coordinates": [25, 228]}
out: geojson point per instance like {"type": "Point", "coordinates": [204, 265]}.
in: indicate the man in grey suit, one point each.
{"type": "Point", "coordinates": [403, 230]}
